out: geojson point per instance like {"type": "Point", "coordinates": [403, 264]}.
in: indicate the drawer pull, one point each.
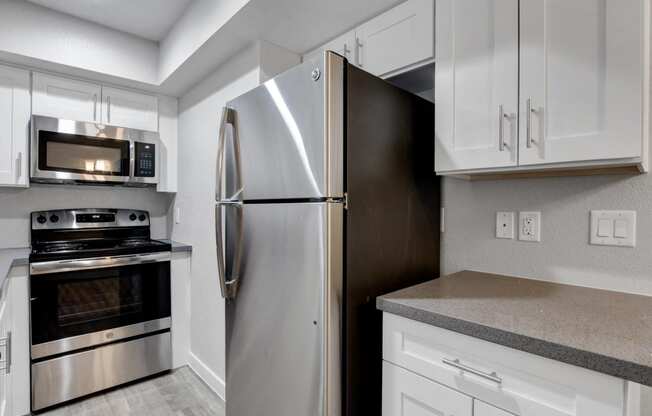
{"type": "Point", "coordinates": [457, 364]}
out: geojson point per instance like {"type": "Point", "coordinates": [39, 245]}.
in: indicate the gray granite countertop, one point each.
{"type": "Point", "coordinates": [177, 246]}
{"type": "Point", "coordinates": [10, 257]}
{"type": "Point", "coordinates": [604, 331]}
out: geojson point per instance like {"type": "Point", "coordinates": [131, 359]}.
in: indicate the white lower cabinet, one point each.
{"type": "Point", "coordinates": [483, 409]}
{"type": "Point", "coordinates": [14, 345]}
{"type": "Point", "coordinates": [408, 394]}
{"type": "Point", "coordinates": [424, 364]}
{"type": "Point", "coordinates": [6, 395]}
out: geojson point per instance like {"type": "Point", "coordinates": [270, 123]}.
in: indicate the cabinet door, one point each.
{"type": "Point", "coordinates": [476, 84]}
{"type": "Point", "coordinates": [408, 394]}
{"type": "Point", "coordinates": [66, 98]}
{"type": "Point", "coordinates": [6, 393]}
{"type": "Point", "coordinates": [14, 126]}
{"type": "Point", "coordinates": [581, 80]}
{"type": "Point", "coordinates": [483, 409]}
{"type": "Point", "coordinates": [129, 109]}
{"type": "Point", "coordinates": [344, 45]}
{"type": "Point", "coordinates": [398, 38]}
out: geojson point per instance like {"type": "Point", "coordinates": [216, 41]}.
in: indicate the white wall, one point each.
{"type": "Point", "coordinates": [199, 22]}
{"type": "Point", "coordinates": [199, 117]}
{"type": "Point", "coordinates": [45, 35]}
{"type": "Point", "coordinates": [16, 204]}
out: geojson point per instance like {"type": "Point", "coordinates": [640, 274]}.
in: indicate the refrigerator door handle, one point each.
{"type": "Point", "coordinates": [229, 277]}
{"type": "Point", "coordinates": [228, 118]}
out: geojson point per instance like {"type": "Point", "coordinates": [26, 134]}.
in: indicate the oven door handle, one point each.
{"type": "Point", "coordinates": [59, 266]}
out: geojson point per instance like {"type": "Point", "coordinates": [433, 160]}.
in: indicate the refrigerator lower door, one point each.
{"type": "Point", "coordinates": [275, 322]}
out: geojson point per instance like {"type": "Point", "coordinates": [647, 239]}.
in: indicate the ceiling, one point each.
{"type": "Point", "coordinates": [149, 19]}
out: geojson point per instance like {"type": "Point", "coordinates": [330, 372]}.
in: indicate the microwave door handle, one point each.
{"type": "Point", "coordinates": [229, 277]}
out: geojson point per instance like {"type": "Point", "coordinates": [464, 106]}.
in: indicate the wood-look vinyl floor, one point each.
{"type": "Point", "coordinates": [179, 393]}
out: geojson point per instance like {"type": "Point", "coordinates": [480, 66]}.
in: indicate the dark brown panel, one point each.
{"type": "Point", "coordinates": [392, 226]}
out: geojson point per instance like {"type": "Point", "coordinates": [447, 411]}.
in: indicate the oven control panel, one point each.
{"type": "Point", "coordinates": [144, 160]}
{"type": "Point", "coordinates": [65, 219]}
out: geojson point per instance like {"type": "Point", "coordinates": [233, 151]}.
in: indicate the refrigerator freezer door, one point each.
{"type": "Point", "coordinates": [274, 323]}
{"type": "Point", "coordinates": [279, 131]}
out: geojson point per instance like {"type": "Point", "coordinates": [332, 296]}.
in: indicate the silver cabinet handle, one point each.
{"type": "Point", "coordinates": [346, 50]}
{"type": "Point", "coordinates": [528, 123]}
{"type": "Point", "coordinates": [501, 129]}
{"type": "Point", "coordinates": [358, 53]}
{"type": "Point", "coordinates": [5, 353]}
{"type": "Point", "coordinates": [19, 165]}
{"type": "Point", "coordinates": [229, 278]}
{"type": "Point", "coordinates": [488, 376]}
{"type": "Point", "coordinates": [108, 109]}
{"type": "Point", "coordinates": [95, 107]}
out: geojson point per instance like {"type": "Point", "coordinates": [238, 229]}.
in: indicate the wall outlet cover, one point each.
{"type": "Point", "coordinates": [529, 226]}
{"type": "Point", "coordinates": [613, 228]}
{"type": "Point", "coordinates": [505, 225]}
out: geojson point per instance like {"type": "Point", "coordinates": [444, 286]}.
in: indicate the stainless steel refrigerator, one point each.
{"type": "Point", "coordinates": [326, 198]}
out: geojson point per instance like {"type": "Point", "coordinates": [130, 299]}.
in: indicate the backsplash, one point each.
{"type": "Point", "coordinates": [16, 204]}
{"type": "Point", "coordinates": [564, 254]}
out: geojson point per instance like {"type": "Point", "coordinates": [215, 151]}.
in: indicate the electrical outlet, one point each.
{"type": "Point", "coordinates": [529, 226]}
{"type": "Point", "coordinates": [177, 215]}
{"type": "Point", "coordinates": [505, 225]}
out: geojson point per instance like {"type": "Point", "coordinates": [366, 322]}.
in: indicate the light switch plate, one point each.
{"type": "Point", "coordinates": [613, 228]}
{"type": "Point", "coordinates": [505, 225]}
{"type": "Point", "coordinates": [529, 226]}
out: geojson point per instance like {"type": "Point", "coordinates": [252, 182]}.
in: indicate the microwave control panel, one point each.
{"type": "Point", "coordinates": [144, 162]}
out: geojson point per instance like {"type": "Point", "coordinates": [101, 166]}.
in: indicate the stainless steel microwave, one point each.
{"type": "Point", "coordinates": [67, 151]}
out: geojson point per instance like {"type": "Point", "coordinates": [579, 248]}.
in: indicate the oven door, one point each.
{"type": "Point", "coordinates": [69, 151]}
{"type": "Point", "coordinates": [77, 304]}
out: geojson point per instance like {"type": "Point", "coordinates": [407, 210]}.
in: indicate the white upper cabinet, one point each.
{"type": "Point", "coordinates": [398, 38]}
{"type": "Point", "coordinates": [575, 73]}
{"type": "Point", "coordinates": [129, 109]}
{"type": "Point", "coordinates": [14, 126]}
{"type": "Point", "coordinates": [345, 45]}
{"type": "Point", "coordinates": [476, 84]}
{"type": "Point", "coordinates": [396, 41]}
{"type": "Point", "coordinates": [581, 80]}
{"type": "Point", "coordinates": [84, 101]}
{"type": "Point", "coordinates": [408, 394]}
{"type": "Point", "coordinates": [66, 98]}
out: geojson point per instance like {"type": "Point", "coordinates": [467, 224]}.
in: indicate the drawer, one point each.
{"type": "Point", "coordinates": [409, 394]}
{"type": "Point", "coordinates": [516, 381]}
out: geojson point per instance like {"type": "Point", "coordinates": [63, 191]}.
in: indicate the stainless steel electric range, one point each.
{"type": "Point", "coordinates": [100, 302]}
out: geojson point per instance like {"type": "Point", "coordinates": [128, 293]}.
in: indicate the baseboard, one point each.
{"type": "Point", "coordinates": [211, 379]}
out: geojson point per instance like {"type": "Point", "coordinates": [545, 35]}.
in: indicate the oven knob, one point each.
{"type": "Point", "coordinates": [132, 217]}
{"type": "Point", "coordinates": [41, 219]}
{"type": "Point", "coordinates": [142, 217]}
{"type": "Point", "coordinates": [54, 218]}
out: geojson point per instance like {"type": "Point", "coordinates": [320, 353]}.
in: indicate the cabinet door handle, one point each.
{"type": "Point", "coordinates": [5, 353]}
{"type": "Point", "coordinates": [358, 53]}
{"type": "Point", "coordinates": [108, 109]}
{"type": "Point", "coordinates": [346, 50]}
{"type": "Point", "coordinates": [528, 123]}
{"type": "Point", "coordinates": [501, 129]}
{"type": "Point", "coordinates": [95, 107]}
{"type": "Point", "coordinates": [19, 165]}
{"type": "Point", "coordinates": [465, 368]}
